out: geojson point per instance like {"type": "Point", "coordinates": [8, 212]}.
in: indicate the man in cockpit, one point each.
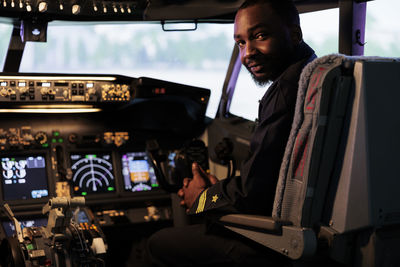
{"type": "Point", "coordinates": [269, 38]}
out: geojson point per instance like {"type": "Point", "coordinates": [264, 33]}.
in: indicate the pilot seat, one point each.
{"type": "Point", "coordinates": [337, 196]}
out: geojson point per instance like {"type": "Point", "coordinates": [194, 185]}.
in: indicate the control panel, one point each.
{"type": "Point", "coordinates": [65, 89]}
{"type": "Point", "coordinates": [112, 139]}
{"type": "Point", "coordinates": [85, 135]}
{"type": "Point", "coordinates": [75, 10]}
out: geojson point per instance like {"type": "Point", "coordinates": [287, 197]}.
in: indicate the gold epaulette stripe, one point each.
{"type": "Point", "coordinates": [202, 201]}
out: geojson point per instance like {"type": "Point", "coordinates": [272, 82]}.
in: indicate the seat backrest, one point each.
{"type": "Point", "coordinates": [343, 147]}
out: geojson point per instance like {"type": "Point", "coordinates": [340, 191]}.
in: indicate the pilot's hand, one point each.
{"type": "Point", "coordinates": [193, 187]}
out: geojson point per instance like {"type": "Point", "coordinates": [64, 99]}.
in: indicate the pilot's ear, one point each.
{"type": "Point", "coordinates": [296, 34]}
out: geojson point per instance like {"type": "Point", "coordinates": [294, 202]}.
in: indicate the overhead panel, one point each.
{"type": "Point", "coordinates": [139, 10]}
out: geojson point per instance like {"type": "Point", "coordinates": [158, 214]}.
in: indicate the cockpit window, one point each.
{"type": "Point", "coordinates": [321, 36]}
{"type": "Point", "coordinates": [5, 33]}
{"type": "Point", "coordinates": [382, 33]}
{"type": "Point", "coordinates": [199, 58]}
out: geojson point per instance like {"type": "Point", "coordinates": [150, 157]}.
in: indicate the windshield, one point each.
{"type": "Point", "coordinates": [199, 58]}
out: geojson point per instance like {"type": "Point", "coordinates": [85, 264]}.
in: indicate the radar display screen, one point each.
{"type": "Point", "coordinates": [24, 177]}
{"type": "Point", "coordinates": [138, 172]}
{"type": "Point", "coordinates": [92, 174]}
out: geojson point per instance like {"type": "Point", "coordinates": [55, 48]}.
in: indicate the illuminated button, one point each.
{"type": "Point", "coordinates": [31, 90]}
{"type": "Point", "coordinates": [74, 85]}
{"type": "Point", "coordinates": [81, 92]}
{"type": "Point", "coordinates": [31, 97]}
{"type": "Point", "coordinates": [42, 7]}
{"type": "Point", "coordinates": [56, 133]}
{"type": "Point", "coordinates": [31, 83]}
{"type": "Point", "coordinates": [81, 85]}
{"type": "Point", "coordinates": [74, 92]}
{"type": "Point", "coordinates": [76, 9]}
{"type": "Point", "coordinates": [51, 97]}
{"type": "Point", "coordinates": [73, 138]}
{"type": "Point", "coordinates": [13, 97]}
{"type": "Point", "coordinates": [44, 97]}
{"type": "Point", "coordinates": [22, 97]}
{"type": "Point", "coordinates": [12, 83]}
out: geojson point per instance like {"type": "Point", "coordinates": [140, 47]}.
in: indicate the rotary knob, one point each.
{"type": "Point", "coordinates": [23, 90]}
{"type": "Point", "coordinates": [41, 138]}
{"type": "Point", "coordinates": [3, 92]}
{"type": "Point", "coordinates": [44, 91]}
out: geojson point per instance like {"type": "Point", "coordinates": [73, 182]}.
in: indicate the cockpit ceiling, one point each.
{"type": "Point", "coordinates": [139, 10]}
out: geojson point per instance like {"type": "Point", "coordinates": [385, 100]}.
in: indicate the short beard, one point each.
{"type": "Point", "coordinates": [260, 81]}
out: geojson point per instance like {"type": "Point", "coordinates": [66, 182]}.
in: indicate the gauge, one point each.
{"type": "Point", "coordinates": [92, 173]}
{"type": "Point", "coordinates": [41, 138]}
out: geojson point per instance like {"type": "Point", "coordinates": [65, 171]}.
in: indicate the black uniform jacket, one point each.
{"type": "Point", "coordinates": [253, 191]}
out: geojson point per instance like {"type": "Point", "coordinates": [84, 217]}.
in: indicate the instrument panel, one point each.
{"type": "Point", "coordinates": [33, 88]}
{"type": "Point", "coordinates": [86, 135]}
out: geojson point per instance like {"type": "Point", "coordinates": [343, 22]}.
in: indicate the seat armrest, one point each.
{"type": "Point", "coordinates": [292, 241]}
{"type": "Point", "coordinates": [254, 221]}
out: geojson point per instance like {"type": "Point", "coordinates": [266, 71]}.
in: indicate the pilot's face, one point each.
{"type": "Point", "coordinates": [264, 42]}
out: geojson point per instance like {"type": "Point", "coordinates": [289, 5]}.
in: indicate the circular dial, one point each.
{"type": "Point", "coordinates": [41, 138]}
{"type": "Point", "coordinates": [92, 173]}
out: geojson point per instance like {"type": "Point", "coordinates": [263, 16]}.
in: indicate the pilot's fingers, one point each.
{"type": "Point", "coordinates": [198, 171]}
{"type": "Point", "coordinates": [186, 182]}
{"type": "Point", "coordinates": [181, 193]}
{"type": "Point", "coordinates": [212, 179]}
{"type": "Point", "coordinates": [207, 177]}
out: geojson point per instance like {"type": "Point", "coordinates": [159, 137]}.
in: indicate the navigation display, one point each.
{"type": "Point", "coordinates": [92, 174]}
{"type": "Point", "coordinates": [24, 177]}
{"type": "Point", "coordinates": [9, 227]}
{"type": "Point", "coordinates": [137, 172]}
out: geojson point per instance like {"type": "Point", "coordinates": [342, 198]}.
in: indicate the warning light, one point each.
{"type": "Point", "coordinates": [84, 193]}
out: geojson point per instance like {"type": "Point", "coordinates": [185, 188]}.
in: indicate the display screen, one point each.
{"type": "Point", "coordinates": [92, 174]}
{"type": "Point", "coordinates": [138, 172]}
{"type": "Point", "coordinates": [44, 84]}
{"type": "Point", "coordinates": [9, 227]}
{"type": "Point", "coordinates": [24, 177]}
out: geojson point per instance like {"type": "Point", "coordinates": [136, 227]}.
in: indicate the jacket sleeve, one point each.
{"type": "Point", "coordinates": [254, 190]}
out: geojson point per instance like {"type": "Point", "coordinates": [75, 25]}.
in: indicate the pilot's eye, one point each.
{"type": "Point", "coordinates": [261, 36]}
{"type": "Point", "coordinates": [240, 43]}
